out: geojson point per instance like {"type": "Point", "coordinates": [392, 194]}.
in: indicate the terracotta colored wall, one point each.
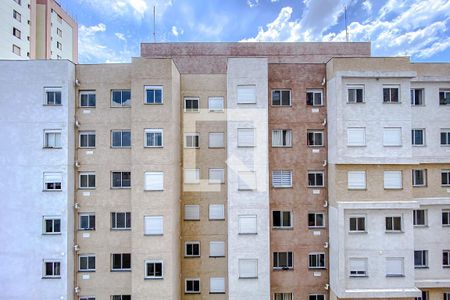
{"type": "Point", "coordinates": [299, 199]}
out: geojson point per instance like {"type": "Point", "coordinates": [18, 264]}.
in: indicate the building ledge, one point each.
{"type": "Point", "coordinates": [433, 283]}
{"type": "Point", "coordinates": [379, 205]}
{"type": "Point", "coordinates": [379, 293]}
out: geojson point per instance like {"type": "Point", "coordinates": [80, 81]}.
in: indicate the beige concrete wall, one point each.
{"type": "Point", "coordinates": [203, 194]}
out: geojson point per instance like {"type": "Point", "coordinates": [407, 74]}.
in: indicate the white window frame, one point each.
{"type": "Point", "coordinates": [389, 174]}
{"type": "Point", "coordinates": [196, 214]}
{"type": "Point", "coordinates": [243, 275]}
{"type": "Point", "coordinates": [52, 90]}
{"type": "Point", "coordinates": [127, 219]}
{"type": "Point", "coordinates": [356, 180]}
{"type": "Point", "coordinates": [87, 298]}
{"type": "Point", "coordinates": [88, 133]}
{"type": "Point", "coordinates": [355, 88]}
{"type": "Point", "coordinates": [197, 99]}
{"type": "Point", "coordinates": [192, 243]}
{"type": "Point", "coordinates": [121, 262]}
{"type": "Point", "coordinates": [423, 258]}
{"type": "Point", "coordinates": [53, 262]}
{"type": "Point", "coordinates": [247, 231]}
{"type": "Point", "coordinates": [288, 266]}
{"type": "Point", "coordinates": [356, 130]}
{"type": "Point", "coordinates": [315, 220]}
{"type": "Point", "coordinates": [216, 98]}
{"type": "Point", "coordinates": [221, 175]}
{"type": "Point", "coordinates": [416, 217]}
{"type": "Point", "coordinates": [357, 225]}
{"type": "Point", "coordinates": [191, 139]}
{"type": "Point", "coordinates": [315, 92]}
{"type": "Point", "coordinates": [196, 177]}
{"type": "Point", "coordinates": [446, 94]}
{"type": "Point", "coordinates": [286, 138]}
{"type": "Point", "coordinates": [390, 87]}
{"type": "Point", "coordinates": [445, 253]}
{"type": "Point", "coordinates": [89, 268]}
{"type": "Point", "coordinates": [284, 181]}
{"type": "Point", "coordinates": [121, 180]}
{"type": "Point", "coordinates": [413, 96]}
{"type": "Point", "coordinates": [446, 212]}
{"type": "Point", "coordinates": [282, 220]}
{"type": "Point", "coordinates": [314, 134]}
{"type": "Point", "coordinates": [447, 175]}
{"type": "Point", "coordinates": [147, 262]}
{"type": "Point", "coordinates": [121, 131]}
{"type": "Point", "coordinates": [153, 230]}
{"type": "Point", "coordinates": [280, 91]}
{"type": "Point", "coordinates": [55, 182]}
{"type": "Point", "coordinates": [391, 259]}
{"type": "Point", "coordinates": [413, 137]}
{"type": "Point", "coordinates": [88, 174]}
{"type": "Point", "coordinates": [358, 272]}
{"type": "Point", "coordinates": [239, 100]}
{"type": "Point", "coordinates": [217, 135]}
{"type": "Point", "coordinates": [87, 93]}
{"type": "Point", "coordinates": [318, 256]}
{"type": "Point", "coordinates": [154, 88]}
{"type": "Point", "coordinates": [315, 178]}
{"type": "Point", "coordinates": [154, 131]}
{"type": "Point", "coordinates": [52, 219]}
{"type": "Point", "coordinates": [283, 296]}
{"type": "Point", "coordinates": [414, 177]}
{"type": "Point", "coordinates": [446, 132]}
{"type": "Point", "coordinates": [386, 142]}
{"type": "Point", "coordinates": [214, 246]}
{"type": "Point", "coordinates": [88, 215]}
{"type": "Point", "coordinates": [316, 297]}
{"type": "Point", "coordinates": [245, 144]}
{"type": "Point", "coordinates": [122, 102]}
{"type": "Point", "coordinates": [392, 218]}
{"type": "Point", "coordinates": [216, 212]}
{"type": "Point", "coordinates": [55, 133]}
{"type": "Point", "coordinates": [151, 186]}
{"type": "Point", "coordinates": [213, 289]}
{"type": "Point", "coordinates": [193, 280]}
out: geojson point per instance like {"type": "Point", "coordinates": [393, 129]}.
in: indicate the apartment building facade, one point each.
{"type": "Point", "coordinates": [37, 29]}
{"type": "Point", "coordinates": [38, 183]}
{"type": "Point", "coordinates": [388, 187]}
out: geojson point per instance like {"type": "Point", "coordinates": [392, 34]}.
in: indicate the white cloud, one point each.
{"type": "Point", "coordinates": [403, 27]}
{"type": "Point", "coordinates": [252, 3]}
{"type": "Point", "coordinates": [177, 31]}
{"type": "Point", "coordinates": [367, 5]}
{"type": "Point", "coordinates": [120, 36]}
{"type": "Point", "coordinates": [138, 8]}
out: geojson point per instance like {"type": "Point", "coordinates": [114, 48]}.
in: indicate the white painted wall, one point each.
{"type": "Point", "coordinates": [7, 22]}
{"type": "Point", "coordinates": [66, 40]}
{"type": "Point", "coordinates": [242, 71]}
{"type": "Point", "coordinates": [23, 161]}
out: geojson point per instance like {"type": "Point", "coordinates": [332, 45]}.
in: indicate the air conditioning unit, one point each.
{"type": "Point", "coordinates": [77, 290]}
{"type": "Point", "coordinates": [325, 204]}
{"type": "Point", "coordinates": [76, 205]}
{"type": "Point", "coordinates": [76, 248]}
{"type": "Point", "coordinates": [324, 81]}
{"type": "Point", "coordinates": [325, 245]}
{"type": "Point", "coordinates": [324, 122]}
{"type": "Point", "coordinates": [77, 82]}
{"type": "Point", "coordinates": [77, 123]}
{"type": "Point", "coordinates": [324, 163]}
{"type": "Point", "coordinates": [77, 164]}
{"type": "Point", "coordinates": [327, 286]}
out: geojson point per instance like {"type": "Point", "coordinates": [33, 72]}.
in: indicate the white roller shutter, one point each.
{"type": "Point", "coordinates": [191, 175]}
{"type": "Point", "coordinates": [217, 285]}
{"type": "Point", "coordinates": [50, 177]}
{"type": "Point", "coordinates": [192, 212]}
{"type": "Point", "coordinates": [215, 103]}
{"type": "Point", "coordinates": [246, 94]}
{"type": "Point", "coordinates": [248, 268]}
{"type": "Point", "coordinates": [216, 140]}
{"type": "Point", "coordinates": [282, 178]}
{"type": "Point", "coordinates": [153, 225]}
{"type": "Point", "coordinates": [216, 176]}
{"type": "Point", "coordinates": [356, 180]}
{"type": "Point", "coordinates": [247, 224]}
{"type": "Point", "coordinates": [246, 137]}
{"type": "Point", "coordinates": [154, 181]}
{"type": "Point", "coordinates": [216, 212]}
{"type": "Point", "coordinates": [356, 136]}
{"type": "Point", "coordinates": [392, 136]}
{"type": "Point", "coordinates": [392, 179]}
{"type": "Point", "coordinates": [394, 266]}
{"type": "Point", "coordinates": [217, 249]}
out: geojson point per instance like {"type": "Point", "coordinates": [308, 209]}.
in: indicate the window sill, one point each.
{"type": "Point", "coordinates": [248, 233]}
{"type": "Point", "coordinates": [153, 190]}
{"type": "Point", "coordinates": [357, 232]}
{"type": "Point", "coordinates": [315, 187]}
{"type": "Point", "coordinates": [121, 188]}
{"type": "Point", "coordinates": [221, 256]}
{"type": "Point", "coordinates": [216, 293]}
{"type": "Point", "coordinates": [282, 228]}
{"type": "Point", "coordinates": [118, 147]}
{"type": "Point", "coordinates": [282, 187]}
{"type": "Point", "coordinates": [216, 147]}
{"type": "Point", "coordinates": [191, 256]}
{"type": "Point", "coordinates": [353, 146]}
{"type": "Point", "coordinates": [146, 103]}
{"type": "Point", "coordinates": [316, 146]}
{"type": "Point", "coordinates": [281, 146]}
{"type": "Point", "coordinates": [195, 220]}
{"type": "Point", "coordinates": [359, 276]}
{"type": "Point", "coordinates": [120, 229]}
{"type": "Point", "coordinates": [316, 268]}
{"type": "Point", "coordinates": [222, 219]}
{"type": "Point", "coordinates": [419, 186]}
{"type": "Point", "coordinates": [87, 229]}
{"type": "Point", "coordinates": [86, 188]}
{"type": "Point", "coordinates": [420, 226]}
{"type": "Point", "coordinates": [51, 277]}
{"type": "Point", "coordinates": [192, 293]}
{"type": "Point", "coordinates": [316, 227]}
{"type": "Point", "coordinates": [121, 271]}
{"type": "Point", "coordinates": [52, 191]}
{"type": "Point", "coordinates": [357, 189]}
{"type": "Point", "coordinates": [393, 276]}
{"type": "Point", "coordinates": [52, 104]}
{"type": "Point", "coordinates": [256, 277]}
{"type": "Point", "coordinates": [51, 233]}
{"type": "Point", "coordinates": [159, 147]}
{"type": "Point", "coordinates": [156, 234]}
{"type": "Point", "coordinates": [84, 107]}
{"type": "Point", "coordinates": [86, 271]}
{"type": "Point", "coordinates": [392, 146]}
{"type": "Point", "coordinates": [191, 111]}
{"type": "Point", "coordinates": [216, 111]}
{"type": "Point", "coordinates": [363, 102]}
{"type": "Point", "coordinates": [420, 146]}
{"type": "Point", "coordinates": [392, 102]}
{"type": "Point", "coordinates": [50, 148]}
{"type": "Point", "coordinates": [87, 148]}
{"type": "Point", "coordinates": [246, 146]}
{"type": "Point", "coordinates": [446, 267]}
{"type": "Point", "coordinates": [394, 231]}
{"type": "Point", "coordinates": [421, 267]}
{"type": "Point", "coordinates": [153, 278]}
{"type": "Point", "coordinates": [277, 269]}
{"type": "Point", "coordinates": [120, 106]}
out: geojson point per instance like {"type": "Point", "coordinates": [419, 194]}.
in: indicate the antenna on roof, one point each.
{"type": "Point", "coordinates": [346, 27]}
{"type": "Point", "coordinates": [154, 24]}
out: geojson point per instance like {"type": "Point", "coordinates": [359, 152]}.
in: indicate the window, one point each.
{"type": "Point", "coordinates": [357, 224]}
{"type": "Point", "coordinates": [87, 139]}
{"type": "Point", "coordinates": [391, 94]}
{"type": "Point", "coordinates": [316, 297]}
{"type": "Point", "coordinates": [120, 98]}
{"type": "Point", "coordinates": [282, 261]}
{"type": "Point", "coordinates": [53, 96]}
{"type": "Point", "coordinates": [445, 217]}
{"type": "Point", "coordinates": [17, 33]}
{"type": "Point", "coordinates": [120, 220]}
{"type": "Point", "coordinates": [282, 179]}
{"type": "Point", "coordinates": [445, 137]}
{"type": "Point", "coordinates": [316, 220]}
{"type": "Point", "coordinates": [316, 261]}
{"type": "Point", "coordinates": [446, 258]}
{"type": "Point", "coordinates": [248, 268]}
{"type": "Point", "coordinates": [16, 49]}
{"type": "Point", "coordinates": [52, 225]}
{"type": "Point", "coordinates": [283, 296]}
{"type": "Point", "coordinates": [120, 138]}
{"type": "Point", "coordinates": [356, 180]}
{"type": "Point", "coordinates": [88, 298]}
{"type": "Point", "coordinates": [418, 137]}
{"type": "Point", "coordinates": [86, 263]}
{"type": "Point", "coordinates": [191, 104]}
{"type": "Point", "coordinates": [52, 181]}
{"type": "Point", "coordinates": [281, 219]}
{"type": "Point", "coordinates": [153, 138]}
{"type": "Point", "coordinates": [424, 296]}
{"type": "Point", "coordinates": [394, 266]}
{"type": "Point", "coordinates": [355, 94]}
{"type": "Point", "coordinates": [394, 223]}
{"type": "Point", "coordinates": [216, 285]}
{"type": "Point", "coordinates": [444, 97]}
{"type": "Point", "coordinates": [191, 140]}
{"type": "Point", "coordinates": [17, 15]}
{"type": "Point", "coordinates": [282, 138]}
{"type": "Point", "coordinates": [87, 221]}
{"type": "Point", "coordinates": [191, 212]}
{"type": "Point", "coordinates": [357, 267]}
{"type": "Point", "coordinates": [315, 138]}
{"type": "Point", "coordinates": [420, 259]}
{"type": "Point", "coordinates": [216, 176]}
{"type": "Point", "coordinates": [192, 249]}
{"type": "Point", "coordinates": [217, 249]}
{"type": "Point", "coordinates": [447, 296]}
{"type": "Point", "coordinates": [121, 179]}
{"type": "Point", "coordinates": [392, 180]}
{"type": "Point", "coordinates": [215, 104]}
{"type": "Point", "coordinates": [154, 95]}
{"type": "Point", "coordinates": [445, 177]}
{"type": "Point", "coordinates": [356, 136]}
{"type": "Point", "coordinates": [52, 138]}
{"type": "Point", "coordinates": [153, 225]}
{"type": "Point", "coordinates": [314, 97]}
{"type": "Point", "coordinates": [246, 137]}
{"type": "Point", "coordinates": [417, 97]}
{"type": "Point", "coordinates": [420, 217]}
{"type": "Point", "coordinates": [154, 181]}
{"type": "Point", "coordinates": [419, 177]}
{"type": "Point", "coordinates": [52, 269]}
{"type": "Point", "coordinates": [216, 212]}
{"type": "Point", "coordinates": [246, 94]}
{"type": "Point", "coordinates": [121, 262]}
{"type": "Point", "coordinates": [121, 297]}
{"type": "Point", "coordinates": [59, 32]}
{"type": "Point", "coordinates": [192, 286]}
{"type": "Point", "coordinates": [392, 136]}
{"type": "Point", "coordinates": [247, 224]}
{"type": "Point", "coordinates": [191, 176]}
{"type": "Point", "coordinates": [59, 45]}
{"type": "Point", "coordinates": [216, 140]}
{"type": "Point", "coordinates": [87, 99]}
{"type": "Point", "coordinates": [87, 180]}
{"type": "Point", "coordinates": [153, 269]}
{"type": "Point", "coordinates": [246, 181]}
{"type": "Point", "coordinates": [315, 179]}
{"type": "Point", "coordinates": [281, 97]}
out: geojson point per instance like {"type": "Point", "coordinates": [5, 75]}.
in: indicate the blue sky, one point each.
{"type": "Point", "coordinates": [112, 30]}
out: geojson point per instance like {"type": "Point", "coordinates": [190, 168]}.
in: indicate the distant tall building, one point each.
{"type": "Point", "coordinates": [37, 29]}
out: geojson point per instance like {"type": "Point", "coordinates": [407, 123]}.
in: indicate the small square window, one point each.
{"type": "Point", "coordinates": [248, 268]}
{"type": "Point", "coordinates": [192, 212]}
{"type": "Point", "coordinates": [282, 179]}
{"type": "Point", "coordinates": [315, 138]}
{"type": "Point", "coordinates": [154, 95]}
{"type": "Point", "coordinates": [391, 94]}
{"type": "Point", "coordinates": [281, 219]}
{"type": "Point", "coordinates": [282, 138]}
{"type": "Point", "coordinates": [217, 285]}
{"type": "Point", "coordinates": [417, 97]}
{"type": "Point", "coordinates": [153, 225]}
{"type": "Point", "coordinates": [51, 225]}
{"type": "Point", "coordinates": [419, 178]}
{"type": "Point", "coordinates": [316, 220]}
{"type": "Point", "coordinates": [87, 180]}
{"type": "Point", "coordinates": [120, 220]}
{"type": "Point", "coordinates": [358, 267]}
{"type": "Point", "coordinates": [316, 297]}
{"type": "Point", "coordinates": [17, 33]}
{"type": "Point", "coordinates": [154, 181]}
{"type": "Point", "coordinates": [216, 140]}
{"type": "Point", "coordinates": [121, 262]}
{"type": "Point", "coordinates": [52, 96]}
{"type": "Point", "coordinates": [87, 99]}
{"type": "Point", "coordinates": [355, 94]}
{"type": "Point", "coordinates": [121, 98]}
{"type": "Point", "coordinates": [154, 138]}
{"type": "Point", "coordinates": [216, 176]}
{"type": "Point", "coordinates": [52, 181]}
{"type": "Point", "coordinates": [357, 224]}
{"type": "Point", "coordinates": [86, 221]}
{"type": "Point", "coordinates": [444, 97]}
{"type": "Point", "coordinates": [446, 217]}
{"type": "Point", "coordinates": [59, 32]}
{"type": "Point", "coordinates": [121, 138]}
{"type": "Point", "coordinates": [246, 137]}
{"type": "Point", "coordinates": [445, 137]}
{"type": "Point", "coordinates": [356, 180]}
{"type": "Point", "coordinates": [445, 177]}
{"type": "Point", "coordinates": [191, 176]}
{"type": "Point", "coordinates": [420, 259]}
{"type": "Point", "coordinates": [86, 263]}
{"type": "Point", "coordinates": [281, 97]}
{"type": "Point", "coordinates": [120, 297]}
{"type": "Point", "coordinates": [283, 296]}
{"type": "Point", "coordinates": [16, 50]}
{"type": "Point", "coordinates": [52, 269]}
{"type": "Point", "coordinates": [394, 224]}
{"type": "Point", "coordinates": [316, 261]}
{"type": "Point", "coordinates": [216, 212]}
{"type": "Point", "coordinates": [153, 269]}
{"type": "Point", "coordinates": [283, 261]}
{"type": "Point", "coordinates": [315, 179]}
{"type": "Point", "coordinates": [59, 45]}
{"type": "Point", "coordinates": [216, 104]}
{"type": "Point", "coordinates": [217, 249]}
{"type": "Point", "coordinates": [247, 224]}
{"type": "Point", "coordinates": [356, 136]}
{"type": "Point", "coordinates": [314, 97]}
{"type": "Point", "coordinates": [192, 286]}
{"type": "Point", "coordinates": [52, 138]}
{"type": "Point", "coordinates": [246, 94]}
{"type": "Point", "coordinates": [420, 217]}
{"type": "Point", "coordinates": [192, 140]}
{"type": "Point", "coordinates": [446, 258]}
{"type": "Point", "coordinates": [120, 179]}
{"type": "Point", "coordinates": [418, 137]}
{"type": "Point", "coordinates": [191, 104]}
{"type": "Point", "coordinates": [87, 139]}
{"type": "Point", "coordinates": [393, 180]}
{"type": "Point", "coordinates": [192, 249]}
{"type": "Point", "coordinates": [17, 15]}
{"type": "Point", "coordinates": [395, 267]}
{"type": "Point", "coordinates": [392, 136]}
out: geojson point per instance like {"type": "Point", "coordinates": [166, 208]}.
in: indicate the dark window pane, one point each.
{"type": "Point", "coordinates": [91, 262]}
{"type": "Point", "coordinates": [116, 139]}
{"type": "Point", "coordinates": [353, 223]}
{"type": "Point", "coordinates": [92, 222]}
{"type": "Point", "coordinates": [126, 139]}
{"type": "Point", "coordinates": [117, 261]}
{"type": "Point", "coordinates": [150, 96]}
{"type": "Point", "coordinates": [311, 179]}
{"type": "Point", "coordinates": [120, 217]}
{"type": "Point", "coordinates": [158, 96]}
{"type": "Point", "coordinates": [92, 140]}
{"type": "Point", "coordinates": [286, 218]}
{"type": "Point", "coordinates": [394, 95]}
{"type": "Point", "coordinates": [361, 223]}
{"type": "Point", "coordinates": [319, 179]}
{"type": "Point", "coordinates": [117, 179]}
{"type": "Point", "coordinates": [126, 179]}
{"type": "Point", "coordinates": [276, 98]}
{"type": "Point", "coordinates": [158, 269]}
{"type": "Point", "coordinates": [445, 218]}
{"type": "Point", "coordinates": [276, 218]}
{"type": "Point", "coordinates": [311, 220]}
{"type": "Point", "coordinates": [117, 98]}
{"type": "Point", "coordinates": [309, 98]}
{"type": "Point", "coordinates": [386, 94]}
{"type": "Point", "coordinates": [57, 97]}
{"type": "Point", "coordinates": [126, 261]}
{"type": "Point", "coordinates": [285, 99]}
{"type": "Point", "coordinates": [83, 263]}
{"type": "Point", "coordinates": [128, 220]}
{"type": "Point", "coordinates": [83, 140]}
{"type": "Point", "coordinates": [126, 98]}
{"type": "Point", "coordinates": [48, 226]}
{"type": "Point", "coordinates": [319, 219]}
{"type": "Point", "coordinates": [57, 225]}
{"type": "Point", "coordinates": [150, 269]}
{"type": "Point", "coordinates": [48, 268]}
{"type": "Point", "coordinates": [84, 222]}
